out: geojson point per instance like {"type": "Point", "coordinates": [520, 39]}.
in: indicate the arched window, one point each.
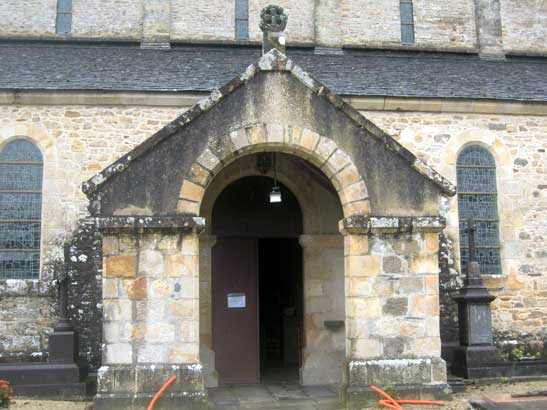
{"type": "Point", "coordinates": [20, 209]}
{"type": "Point", "coordinates": [407, 21]}
{"type": "Point", "coordinates": [242, 20]}
{"type": "Point", "coordinates": [477, 199]}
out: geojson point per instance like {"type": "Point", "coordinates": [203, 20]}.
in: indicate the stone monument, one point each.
{"type": "Point", "coordinates": [476, 350]}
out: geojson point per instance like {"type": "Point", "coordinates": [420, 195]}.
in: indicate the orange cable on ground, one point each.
{"type": "Point", "coordinates": [393, 404]}
{"type": "Point", "coordinates": [160, 392]}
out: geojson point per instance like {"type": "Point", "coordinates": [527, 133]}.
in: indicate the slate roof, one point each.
{"type": "Point", "coordinates": [73, 66]}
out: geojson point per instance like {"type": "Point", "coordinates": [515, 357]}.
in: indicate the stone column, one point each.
{"type": "Point", "coordinates": [324, 345]}
{"type": "Point", "coordinates": [150, 319]}
{"type": "Point", "coordinates": [392, 307]}
{"type": "Point", "coordinates": [207, 354]}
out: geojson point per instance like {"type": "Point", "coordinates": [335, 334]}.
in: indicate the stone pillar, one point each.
{"type": "Point", "coordinates": [392, 308]}
{"type": "Point", "coordinates": [156, 25]}
{"type": "Point", "coordinates": [206, 352]}
{"type": "Point", "coordinates": [150, 319]}
{"type": "Point", "coordinates": [324, 345]}
{"type": "Point", "coordinates": [489, 33]}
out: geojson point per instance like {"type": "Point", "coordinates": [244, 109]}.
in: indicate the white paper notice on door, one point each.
{"type": "Point", "coordinates": [236, 300]}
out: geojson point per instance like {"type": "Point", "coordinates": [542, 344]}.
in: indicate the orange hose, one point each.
{"type": "Point", "coordinates": [390, 405]}
{"type": "Point", "coordinates": [160, 392]}
{"type": "Point", "coordinates": [393, 404]}
{"type": "Point", "coordinates": [435, 403]}
{"type": "Point", "coordinates": [387, 396]}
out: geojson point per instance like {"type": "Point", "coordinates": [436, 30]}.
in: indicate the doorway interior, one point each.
{"type": "Point", "coordinates": [280, 309]}
{"type": "Point", "coordinates": [257, 284]}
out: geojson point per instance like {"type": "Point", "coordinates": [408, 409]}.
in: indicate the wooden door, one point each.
{"type": "Point", "coordinates": [235, 310]}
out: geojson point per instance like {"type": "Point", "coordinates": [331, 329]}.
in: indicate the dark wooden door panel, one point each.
{"type": "Point", "coordinates": [235, 310]}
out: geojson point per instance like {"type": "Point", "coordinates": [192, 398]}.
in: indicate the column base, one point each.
{"type": "Point", "coordinates": [132, 387]}
{"type": "Point", "coordinates": [422, 378]}
{"type": "Point", "coordinates": [168, 401]}
{"type": "Point", "coordinates": [470, 361]}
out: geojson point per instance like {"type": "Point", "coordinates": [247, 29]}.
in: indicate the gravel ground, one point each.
{"type": "Point", "coordinates": [460, 401]}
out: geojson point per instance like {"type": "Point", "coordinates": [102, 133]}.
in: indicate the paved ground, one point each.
{"type": "Point", "coordinates": [290, 396]}
{"type": "Point", "coordinates": [276, 395]}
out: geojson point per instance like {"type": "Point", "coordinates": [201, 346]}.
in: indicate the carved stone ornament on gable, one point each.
{"type": "Point", "coordinates": [273, 18]}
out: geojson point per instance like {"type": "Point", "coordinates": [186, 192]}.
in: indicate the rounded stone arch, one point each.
{"type": "Point", "coordinates": [321, 151]}
{"type": "Point", "coordinates": [38, 136]}
{"type": "Point", "coordinates": [305, 198]}
{"type": "Point", "coordinates": [52, 173]}
{"type": "Point", "coordinates": [504, 171]}
{"type": "Point", "coordinates": [487, 140]}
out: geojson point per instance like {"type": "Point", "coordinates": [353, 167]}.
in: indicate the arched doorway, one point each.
{"type": "Point", "coordinates": [273, 275]}
{"type": "Point", "coordinates": [256, 283]}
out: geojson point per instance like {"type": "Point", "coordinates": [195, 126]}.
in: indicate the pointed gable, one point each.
{"type": "Point", "coordinates": [272, 92]}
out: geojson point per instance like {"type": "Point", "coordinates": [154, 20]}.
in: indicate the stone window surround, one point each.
{"type": "Point", "coordinates": [39, 249]}
{"type": "Point", "coordinates": [41, 140]}
{"type": "Point", "coordinates": [495, 194]}
{"type": "Point", "coordinates": [504, 172]}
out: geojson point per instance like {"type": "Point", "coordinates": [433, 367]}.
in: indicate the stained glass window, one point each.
{"type": "Point", "coordinates": [407, 21]}
{"type": "Point", "coordinates": [20, 209]}
{"type": "Point", "coordinates": [477, 199]}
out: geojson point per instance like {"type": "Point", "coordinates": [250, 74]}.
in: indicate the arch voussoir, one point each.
{"type": "Point", "coordinates": [322, 151]}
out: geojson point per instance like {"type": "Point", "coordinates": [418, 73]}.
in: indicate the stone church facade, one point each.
{"type": "Point", "coordinates": [129, 170]}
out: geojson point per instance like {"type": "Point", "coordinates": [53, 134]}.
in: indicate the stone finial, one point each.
{"type": "Point", "coordinates": [273, 21]}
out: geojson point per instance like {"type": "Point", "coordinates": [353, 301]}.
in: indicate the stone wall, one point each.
{"type": "Point", "coordinates": [523, 25]}
{"type": "Point", "coordinates": [103, 18]}
{"type": "Point", "coordinates": [392, 296]}
{"type": "Point", "coordinates": [324, 348]}
{"type": "Point", "coordinates": [202, 20]}
{"type": "Point", "coordinates": [440, 23]}
{"type": "Point", "coordinates": [333, 23]}
{"type": "Point", "coordinates": [518, 146]}
{"type": "Point", "coordinates": [28, 17]}
{"type": "Point", "coordinates": [78, 141]}
{"type": "Point", "coordinates": [150, 317]}
{"type": "Point", "coordinates": [75, 141]}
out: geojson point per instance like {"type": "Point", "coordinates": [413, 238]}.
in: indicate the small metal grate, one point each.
{"type": "Point", "coordinates": [477, 199]}
{"type": "Point", "coordinates": [20, 209]}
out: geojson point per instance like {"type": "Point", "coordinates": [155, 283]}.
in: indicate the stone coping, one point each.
{"type": "Point", "coordinates": [185, 222]}
{"type": "Point", "coordinates": [186, 99]}
{"type": "Point", "coordinates": [361, 224]}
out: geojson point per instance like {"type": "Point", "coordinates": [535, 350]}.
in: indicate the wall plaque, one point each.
{"type": "Point", "coordinates": [236, 300]}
